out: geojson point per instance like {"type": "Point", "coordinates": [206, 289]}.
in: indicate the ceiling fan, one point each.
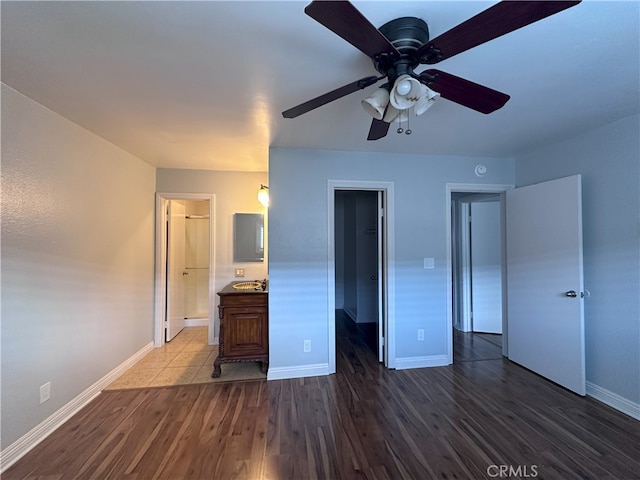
{"type": "Point", "coordinates": [401, 45]}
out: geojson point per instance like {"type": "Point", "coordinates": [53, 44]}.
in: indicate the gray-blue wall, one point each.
{"type": "Point", "coordinates": [608, 158]}
{"type": "Point", "coordinates": [298, 239]}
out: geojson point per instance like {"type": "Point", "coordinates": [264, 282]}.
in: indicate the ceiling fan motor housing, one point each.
{"type": "Point", "coordinates": [406, 34]}
{"type": "Point", "coordinates": [399, 46]}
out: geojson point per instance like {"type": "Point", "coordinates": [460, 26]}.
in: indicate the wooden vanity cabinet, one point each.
{"type": "Point", "coordinates": [244, 328]}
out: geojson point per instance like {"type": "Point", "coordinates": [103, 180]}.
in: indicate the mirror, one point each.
{"type": "Point", "coordinates": [248, 237]}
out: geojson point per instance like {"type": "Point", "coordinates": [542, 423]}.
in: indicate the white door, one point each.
{"type": "Point", "coordinates": [544, 280]}
{"type": "Point", "coordinates": [380, 278]}
{"type": "Point", "coordinates": [486, 267]}
{"type": "Point", "coordinates": [175, 269]}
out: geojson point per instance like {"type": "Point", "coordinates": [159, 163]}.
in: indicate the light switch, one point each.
{"type": "Point", "coordinates": [429, 263]}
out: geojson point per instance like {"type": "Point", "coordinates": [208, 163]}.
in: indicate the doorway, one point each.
{"type": "Point", "coordinates": [543, 314]}
{"type": "Point", "coordinates": [357, 264]}
{"type": "Point", "coordinates": [476, 262]}
{"type": "Point", "coordinates": [486, 274]}
{"type": "Point", "coordinates": [376, 304]}
{"type": "Point", "coordinates": [184, 264]}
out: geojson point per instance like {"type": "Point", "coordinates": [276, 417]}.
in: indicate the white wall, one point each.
{"type": "Point", "coordinates": [486, 267]}
{"type": "Point", "coordinates": [196, 285]}
{"type": "Point", "coordinates": [77, 260]}
{"type": "Point", "coordinates": [235, 192]}
{"type": "Point", "coordinates": [608, 158]}
{"type": "Point", "coordinates": [298, 219]}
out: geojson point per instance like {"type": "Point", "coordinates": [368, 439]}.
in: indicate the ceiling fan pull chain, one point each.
{"type": "Point", "coordinates": [408, 130]}
{"type": "Point", "coordinates": [400, 129]}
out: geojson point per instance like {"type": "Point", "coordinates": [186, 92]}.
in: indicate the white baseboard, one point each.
{"type": "Point", "coordinates": [422, 362]}
{"type": "Point", "coordinates": [614, 400]}
{"type": "Point", "coordinates": [298, 371]}
{"type": "Point", "coordinates": [28, 441]}
{"type": "Point", "coordinates": [196, 322]}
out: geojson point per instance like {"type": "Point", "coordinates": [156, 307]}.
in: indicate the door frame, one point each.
{"type": "Point", "coordinates": [176, 228]}
{"type": "Point", "coordinates": [474, 188]}
{"type": "Point", "coordinates": [465, 323]}
{"type": "Point", "coordinates": [160, 282]}
{"type": "Point", "coordinates": [388, 259]}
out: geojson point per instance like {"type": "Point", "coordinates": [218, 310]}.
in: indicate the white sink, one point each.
{"type": "Point", "coordinates": [247, 285]}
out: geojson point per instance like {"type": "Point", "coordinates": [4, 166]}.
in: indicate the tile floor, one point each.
{"type": "Point", "coordinates": [186, 359]}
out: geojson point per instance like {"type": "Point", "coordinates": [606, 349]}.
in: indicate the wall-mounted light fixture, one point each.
{"type": "Point", "coordinates": [263, 195]}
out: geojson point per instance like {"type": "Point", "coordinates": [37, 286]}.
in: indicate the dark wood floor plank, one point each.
{"type": "Point", "coordinates": [364, 422]}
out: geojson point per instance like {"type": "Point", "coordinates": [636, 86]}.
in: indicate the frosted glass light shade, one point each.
{"type": "Point", "coordinates": [376, 103]}
{"type": "Point", "coordinates": [426, 100]}
{"type": "Point", "coordinates": [405, 92]}
{"type": "Point", "coordinates": [263, 195]}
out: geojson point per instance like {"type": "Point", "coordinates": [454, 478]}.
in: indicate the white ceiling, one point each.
{"type": "Point", "coordinates": [203, 84]}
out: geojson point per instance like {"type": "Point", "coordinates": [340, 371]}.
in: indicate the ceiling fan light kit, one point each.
{"type": "Point", "coordinates": [405, 92]}
{"type": "Point", "coordinates": [426, 100]}
{"type": "Point", "coordinates": [401, 45]}
{"type": "Point", "coordinates": [395, 115]}
{"type": "Point", "coordinates": [376, 104]}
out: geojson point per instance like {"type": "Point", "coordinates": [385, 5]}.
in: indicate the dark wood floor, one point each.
{"type": "Point", "coordinates": [480, 418]}
{"type": "Point", "coordinates": [474, 347]}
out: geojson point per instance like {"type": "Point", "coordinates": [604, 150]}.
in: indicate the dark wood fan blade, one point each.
{"type": "Point", "coordinates": [378, 129]}
{"type": "Point", "coordinates": [343, 19]}
{"type": "Point", "coordinates": [329, 97]}
{"type": "Point", "coordinates": [498, 20]}
{"type": "Point", "coordinates": [472, 95]}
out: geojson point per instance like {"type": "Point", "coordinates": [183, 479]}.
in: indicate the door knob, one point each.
{"type": "Point", "coordinates": [185, 273]}
{"type": "Point", "coordinates": [571, 293]}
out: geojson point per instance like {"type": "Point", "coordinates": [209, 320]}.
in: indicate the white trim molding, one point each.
{"type": "Point", "coordinates": [614, 400]}
{"type": "Point", "coordinates": [37, 434]}
{"type": "Point", "coordinates": [468, 188]}
{"type": "Point", "coordinates": [422, 362]}
{"type": "Point", "coordinates": [298, 371]}
{"type": "Point", "coordinates": [196, 322]}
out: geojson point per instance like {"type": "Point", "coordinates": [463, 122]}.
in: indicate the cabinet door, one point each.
{"type": "Point", "coordinates": [245, 331]}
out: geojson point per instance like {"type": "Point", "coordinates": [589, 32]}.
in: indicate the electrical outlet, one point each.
{"type": "Point", "coordinates": [421, 334]}
{"type": "Point", "coordinates": [240, 272]}
{"type": "Point", "coordinates": [307, 345]}
{"type": "Point", "coordinates": [45, 392]}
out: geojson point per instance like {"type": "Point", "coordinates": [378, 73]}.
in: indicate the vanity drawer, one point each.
{"type": "Point", "coordinates": [252, 299]}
